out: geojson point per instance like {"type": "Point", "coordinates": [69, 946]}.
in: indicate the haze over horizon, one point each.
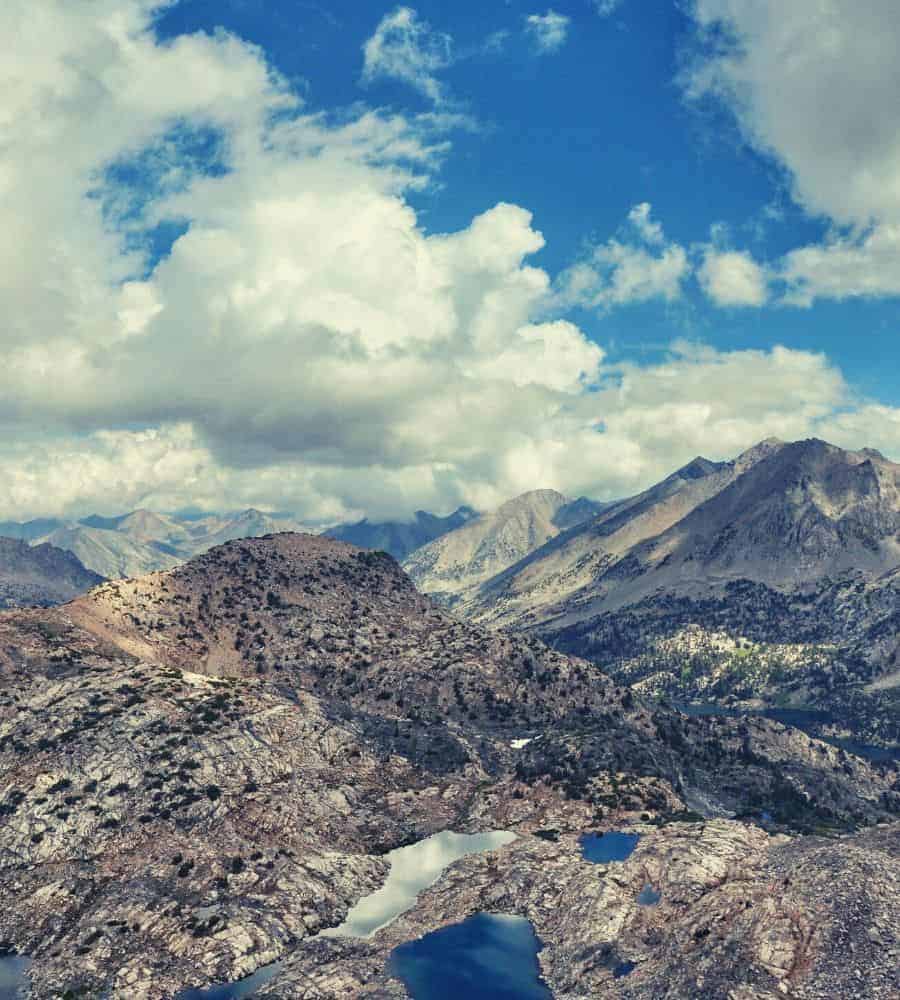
{"type": "Point", "coordinates": [351, 260]}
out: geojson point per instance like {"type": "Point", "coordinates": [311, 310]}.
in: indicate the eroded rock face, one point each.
{"type": "Point", "coordinates": [176, 810]}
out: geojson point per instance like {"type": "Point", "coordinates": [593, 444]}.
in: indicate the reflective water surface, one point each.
{"type": "Point", "coordinates": [234, 991]}
{"type": "Point", "coordinates": [648, 896]}
{"type": "Point", "coordinates": [13, 976]}
{"type": "Point", "coordinates": [601, 848]}
{"type": "Point", "coordinates": [413, 869]}
{"type": "Point", "coordinates": [487, 957]}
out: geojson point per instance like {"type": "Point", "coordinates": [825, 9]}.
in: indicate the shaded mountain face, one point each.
{"type": "Point", "coordinates": [785, 560]}
{"type": "Point", "coordinates": [399, 538]}
{"type": "Point", "coordinates": [454, 564]}
{"type": "Point", "coordinates": [204, 767]}
{"type": "Point", "coordinates": [40, 576]}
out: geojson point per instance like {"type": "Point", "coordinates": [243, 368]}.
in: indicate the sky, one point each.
{"type": "Point", "coordinates": [352, 258]}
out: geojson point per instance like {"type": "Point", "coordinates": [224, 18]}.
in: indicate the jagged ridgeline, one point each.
{"type": "Point", "coordinates": [773, 580]}
{"type": "Point", "coordinates": [203, 767]}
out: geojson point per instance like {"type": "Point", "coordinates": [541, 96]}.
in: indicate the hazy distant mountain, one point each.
{"type": "Point", "coordinates": [144, 541]}
{"type": "Point", "coordinates": [250, 523]}
{"type": "Point", "coordinates": [29, 531]}
{"type": "Point", "coordinates": [400, 538]}
{"type": "Point", "coordinates": [462, 559]}
{"type": "Point", "coordinates": [40, 575]}
{"type": "Point", "coordinates": [111, 553]}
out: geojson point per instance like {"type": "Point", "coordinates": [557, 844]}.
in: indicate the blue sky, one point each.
{"type": "Point", "coordinates": [578, 136]}
{"type": "Point", "coordinates": [359, 258]}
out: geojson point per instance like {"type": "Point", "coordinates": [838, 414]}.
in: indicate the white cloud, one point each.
{"type": "Point", "coordinates": [306, 345]}
{"type": "Point", "coordinates": [549, 31]}
{"type": "Point", "coordinates": [733, 278]}
{"type": "Point", "coordinates": [640, 267]}
{"type": "Point", "coordinates": [815, 85]}
{"type": "Point", "coordinates": [650, 231]}
{"type": "Point", "coordinates": [606, 7]}
{"type": "Point", "coordinates": [406, 48]}
{"type": "Point", "coordinates": [845, 267]}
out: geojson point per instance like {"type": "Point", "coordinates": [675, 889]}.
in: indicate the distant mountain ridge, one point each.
{"type": "Point", "coordinates": [40, 575]}
{"type": "Point", "coordinates": [459, 561]}
{"type": "Point", "coordinates": [400, 538]}
{"type": "Point", "coordinates": [144, 541]}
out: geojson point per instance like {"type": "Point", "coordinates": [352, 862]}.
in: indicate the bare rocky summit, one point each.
{"type": "Point", "coordinates": [790, 545]}
{"type": "Point", "coordinates": [203, 768]}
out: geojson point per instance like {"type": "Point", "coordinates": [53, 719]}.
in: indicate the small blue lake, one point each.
{"type": "Point", "coordinates": [232, 991]}
{"type": "Point", "coordinates": [648, 896]}
{"type": "Point", "coordinates": [601, 848]}
{"type": "Point", "coordinates": [14, 976]}
{"type": "Point", "coordinates": [487, 957]}
{"type": "Point", "coordinates": [413, 868]}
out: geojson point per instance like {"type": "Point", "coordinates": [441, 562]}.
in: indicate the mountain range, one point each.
{"type": "Point", "coordinates": [461, 560]}
{"type": "Point", "coordinates": [144, 541]}
{"type": "Point", "coordinates": [772, 578]}
{"type": "Point", "coordinates": [203, 768]}
{"type": "Point", "coordinates": [770, 581]}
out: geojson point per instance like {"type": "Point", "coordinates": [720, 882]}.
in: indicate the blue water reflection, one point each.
{"type": "Point", "coordinates": [487, 957]}
{"type": "Point", "coordinates": [605, 847]}
{"type": "Point", "coordinates": [13, 976]}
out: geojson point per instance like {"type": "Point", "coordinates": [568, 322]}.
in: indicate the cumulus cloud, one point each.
{"type": "Point", "coordinates": [864, 266]}
{"type": "Point", "coordinates": [733, 278]}
{"type": "Point", "coordinates": [815, 86]}
{"type": "Point", "coordinates": [640, 266]}
{"type": "Point", "coordinates": [548, 31]}
{"type": "Point", "coordinates": [305, 343]}
{"type": "Point", "coordinates": [408, 49]}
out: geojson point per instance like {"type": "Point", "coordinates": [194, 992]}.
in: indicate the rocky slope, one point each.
{"type": "Point", "coordinates": [400, 538]}
{"type": "Point", "coordinates": [785, 561]}
{"type": "Point", "coordinates": [202, 768]}
{"type": "Point", "coordinates": [457, 562]}
{"type": "Point", "coordinates": [40, 576]}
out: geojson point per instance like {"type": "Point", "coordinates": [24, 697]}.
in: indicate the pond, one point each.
{"type": "Point", "coordinates": [233, 991]}
{"type": "Point", "coordinates": [487, 957]}
{"type": "Point", "coordinates": [413, 869]}
{"type": "Point", "coordinates": [14, 976]}
{"type": "Point", "coordinates": [648, 896]}
{"type": "Point", "coordinates": [605, 847]}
